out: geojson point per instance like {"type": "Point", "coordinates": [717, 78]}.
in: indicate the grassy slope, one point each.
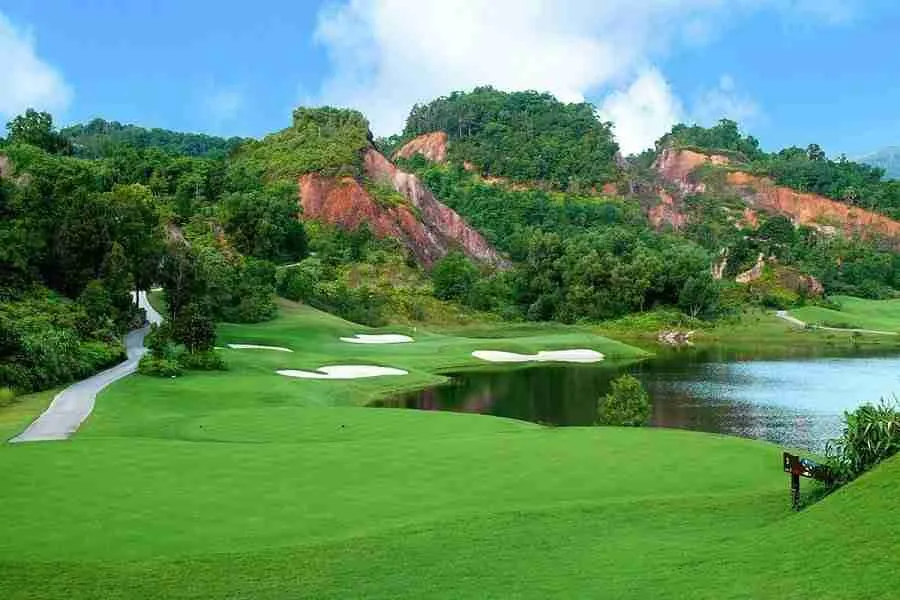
{"type": "Point", "coordinates": [240, 485]}
{"type": "Point", "coordinates": [859, 313]}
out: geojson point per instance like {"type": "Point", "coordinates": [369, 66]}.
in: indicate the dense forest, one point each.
{"type": "Point", "coordinates": [100, 138]}
{"type": "Point", "coordinates": [77, 236]}
{"type": "Point", "coordinates": [523, 136]}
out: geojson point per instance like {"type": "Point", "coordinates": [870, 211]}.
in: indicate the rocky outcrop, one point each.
{"type": "Point", "coordinates": [719, 265]}
{"type": "Point", "coordinates": [667, 211]}
{"type": "Point", "coordinates": [432, 146]}
{"type": "Point", "coordinates": [448, 227]}
{"type": "Point", "coordinates": [426, 226]}
{"type": "Point", "coordinates": [754, 272]}
{"type": "Point", "coordinates": [800, 283]}
{"type": "Point", "coordinates": [810, 209]}
{"type": "Point", "coordinates": [676, 169]}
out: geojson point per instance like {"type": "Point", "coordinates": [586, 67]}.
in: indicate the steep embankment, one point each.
{"type": "Point", "coordinates": [677, 168]}
{"type": "Point", "coordinates": [425, 225]}
{"type": "Point", "coordinates": [432, 146]}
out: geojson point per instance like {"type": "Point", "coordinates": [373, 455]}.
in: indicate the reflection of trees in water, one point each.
{"type": "Point", "coordinates": [687, 391]}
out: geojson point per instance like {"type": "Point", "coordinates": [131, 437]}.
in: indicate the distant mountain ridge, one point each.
{"type": "Point", "coordinates": [887, 159]}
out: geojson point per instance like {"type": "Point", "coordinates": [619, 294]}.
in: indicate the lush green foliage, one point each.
{"type": "Point", "coordinates": [103, 139]}
{"type": "Point", "coordinates": [46, 339]}
{"type": "Point", "coordinates": [524, 136]}
{"type": "Point", "coordinates": [626, 404]}
{"type": "Point", "coordinates": [325, 140]}
{"type": "Point", "coordinates": [265, 223]}
{"type": "Point", "coordinates": [575, 257]}
{"type": "Point", "coordinates": [36, 128]}
{"type": "Point", "coordinates": [871, 435]}
{"type": "Point", "coordinates": [725, 137]}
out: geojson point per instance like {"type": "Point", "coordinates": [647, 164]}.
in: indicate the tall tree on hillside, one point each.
{"type": "Point", "coordinates": [36, 128]}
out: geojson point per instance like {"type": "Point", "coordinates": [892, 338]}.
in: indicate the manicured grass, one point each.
{"type": "Point", "coordinates": [245, 484]}
{"type": "Point", "coordinates": [16, 417]}
{"type": "Point", "coordinates": [854, 313]}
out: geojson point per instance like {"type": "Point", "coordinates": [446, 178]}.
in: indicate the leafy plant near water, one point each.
{"type": "Point", "coordinates": [626, 405]}
{"type": "Point", "coordinates": [871, 434]}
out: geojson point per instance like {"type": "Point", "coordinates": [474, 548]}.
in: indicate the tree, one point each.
{"type": "Point", "coordinates": [36, 128]}
{"type": "Point", "coordinates": [194, 327]}
{"type": "Point", "coordinates": [453, 277]}
{"type": "Point", "coordinates": [626, 405]}
{"type": "Point", "coordinates": [699, 295]}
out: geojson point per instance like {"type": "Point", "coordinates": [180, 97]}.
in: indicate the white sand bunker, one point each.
{"type": "Point", "coordinates": [383, 338]}
{"type": "Point", "coordinates": [577, 356]}
{"type": "Point", "coordinates": [343, 372]}
{"type": "Point", "coordinates": [257, 347]}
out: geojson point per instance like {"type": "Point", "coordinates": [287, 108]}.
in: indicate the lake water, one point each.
{"type": "Point", "coordinates": [796, 402]}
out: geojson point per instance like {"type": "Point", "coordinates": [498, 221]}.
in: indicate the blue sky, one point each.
{"type": "Point", "coordinates": [791, 71]}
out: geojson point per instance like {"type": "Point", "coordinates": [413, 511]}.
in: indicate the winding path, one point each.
{"type": "Point", "coordinates": [72, 406]}
{"type": "Point", "coordinates": [783, 314]}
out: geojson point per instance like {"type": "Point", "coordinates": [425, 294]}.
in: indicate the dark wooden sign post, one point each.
{"type": "Point", "coordinates": [803, 467]}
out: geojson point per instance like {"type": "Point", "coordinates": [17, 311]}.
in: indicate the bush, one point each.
{"type": "Point", "coordinates": [202, 361]}
{"type": "Point", "coordinates": [871, 434]}
{"type": "Point", "coordinates": [159, 367]}
{"type": "Point", "coordinates": [7, 396]}
{"type": "Point", "coordinates": [626, 405]}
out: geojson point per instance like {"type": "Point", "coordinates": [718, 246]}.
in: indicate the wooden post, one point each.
{"type": "Point", "coordinates": [795, 491]}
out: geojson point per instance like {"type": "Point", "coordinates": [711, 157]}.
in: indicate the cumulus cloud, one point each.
{"type": "Point", "coordinates": [26, 81]}
{"type": "Point", "coordinates": [643, 112]}
{"type": "Point", "coordinates": [725, 101]}
{"type": "Point", "coordinates": [224, 104]}
{"type": "Point", "coordinates": [389, 54]}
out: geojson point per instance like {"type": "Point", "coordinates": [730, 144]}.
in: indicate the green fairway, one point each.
{"type": "Point", "coordinates": [245, 484]}
{"type": "Point", "coordinates": [854, 313]}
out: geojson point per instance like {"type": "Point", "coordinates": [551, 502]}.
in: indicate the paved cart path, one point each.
{"type": "Point", "coordinates": [74, 404]}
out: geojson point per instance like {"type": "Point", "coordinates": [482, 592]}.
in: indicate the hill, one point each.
{"type": "Point", "coordinates": [522, 136]}
{"type": "Point", "coordinates": [887, 159]}
{"type": "Point", "coordinates": [101, 138]}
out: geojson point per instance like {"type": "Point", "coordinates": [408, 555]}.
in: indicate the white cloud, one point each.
{"type": "Point", "coordinates": [25, 80]}
{"type": "Point", "coordinates": [389, 54]}
{"type": "Point", "coordinates": [725, 101]}
{"type": "Point", "coordinates": [643, 112]}
{"type": "Point", "coordinates": [224, 104]}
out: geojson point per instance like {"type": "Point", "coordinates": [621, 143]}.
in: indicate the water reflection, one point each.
{"type": "Point", "coordinates": [795, 402]}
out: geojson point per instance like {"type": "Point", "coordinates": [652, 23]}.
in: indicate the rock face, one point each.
{"type": "Point", "coordinates": [761, 194]}
{"type": "Point", "coordinates": [427, 227]}
{"type": "Point", "coordinates": [754, 272]}
{"type": "Point", "coordinates": [432, 146]}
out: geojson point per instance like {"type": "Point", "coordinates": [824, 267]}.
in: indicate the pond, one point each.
{"type": "Point", "coordinates": [795, 402]}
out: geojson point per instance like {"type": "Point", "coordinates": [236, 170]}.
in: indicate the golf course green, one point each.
{"type": "Point", "coordinates": [248, 484]}
{"type": "Point", "coordinates": [854, 313]}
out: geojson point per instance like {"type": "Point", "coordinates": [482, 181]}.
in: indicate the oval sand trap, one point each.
{"type": "Point", "coordinates": [343, 372]}
{"type": "Point", "coordinates": [258, 347]}
{"type": "Point", "coordinates": [383, 338]}
{"type": "Point", "coordinates": [578, 356]}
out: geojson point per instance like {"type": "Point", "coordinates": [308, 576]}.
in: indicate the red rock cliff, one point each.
{"type": "Point", "coordinates": [761, 194]}
{"type": "Point", "coordinates": [430, 234]}
{"type": "Point", "coordinates": [432, 146]}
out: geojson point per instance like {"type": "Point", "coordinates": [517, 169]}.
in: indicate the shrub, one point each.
{"type": "Point", "coordinates": [159, 367]}
{"type": "Point", "coordinates": [626, 405]}
{"type": "Point", "coordinates": [6, 396]}
{"type": "Point", "coordinates": [202, 361]}
{"type": "Point", "coordinates": [871, 434]}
